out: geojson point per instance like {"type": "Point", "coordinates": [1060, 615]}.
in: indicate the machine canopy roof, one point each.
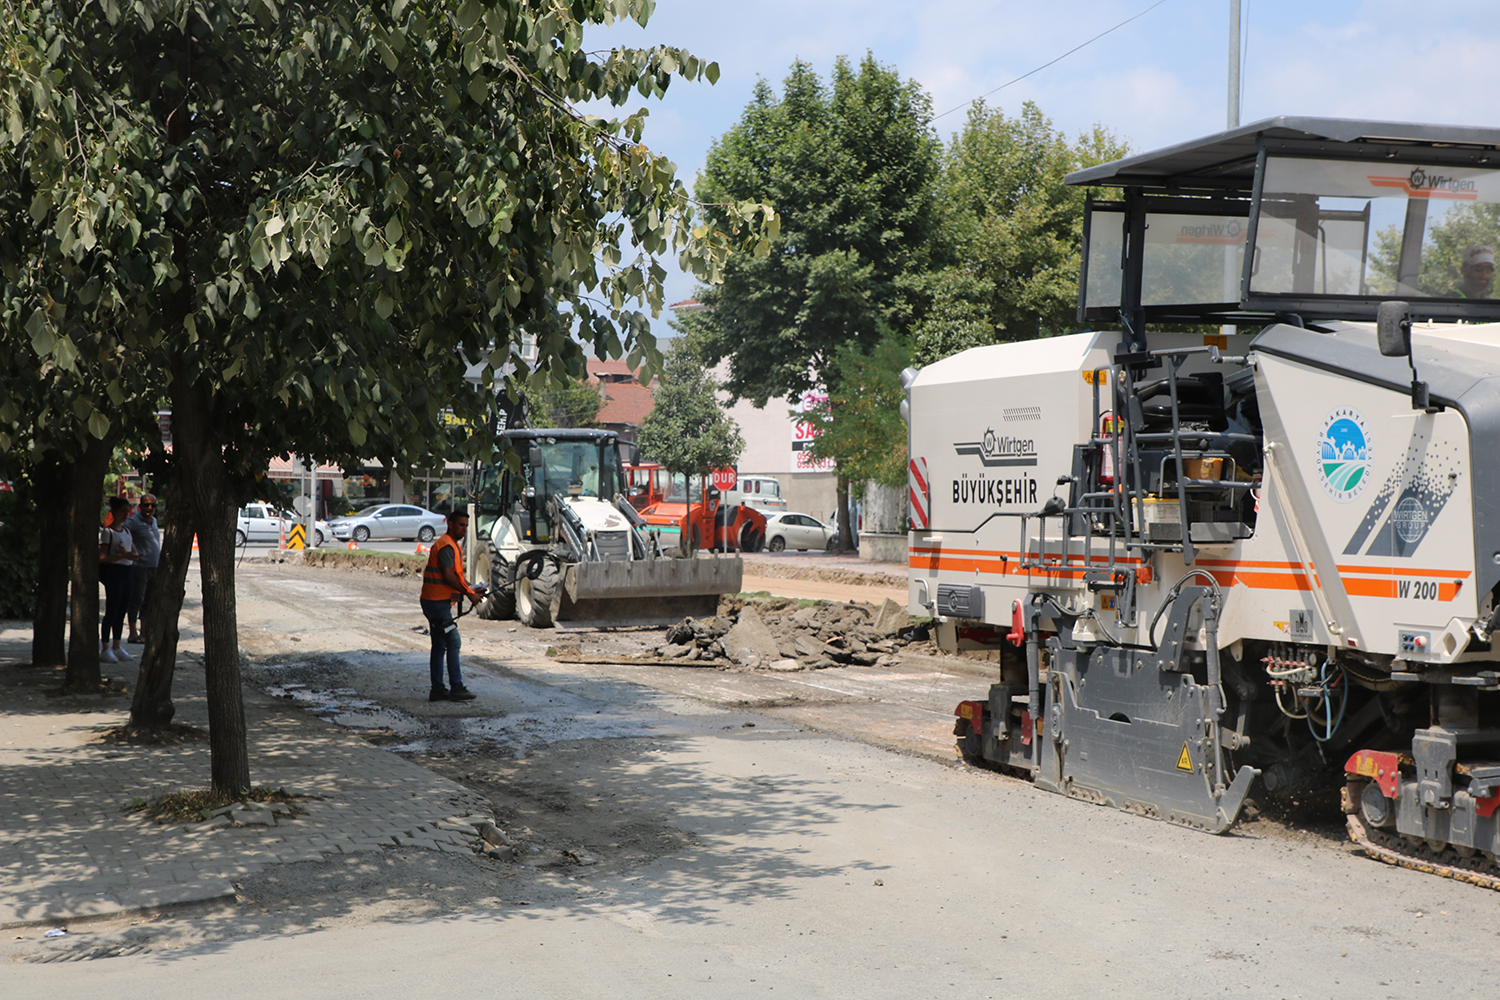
{"type": "Point", "coordinates": [1227, 160]}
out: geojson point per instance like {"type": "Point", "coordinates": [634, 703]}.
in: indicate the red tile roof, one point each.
{"type": "Point", "coordinates": [625, 403]}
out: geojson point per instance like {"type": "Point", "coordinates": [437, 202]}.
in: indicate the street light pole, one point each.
{"type": "Point", "coordinates": [1234, 64]}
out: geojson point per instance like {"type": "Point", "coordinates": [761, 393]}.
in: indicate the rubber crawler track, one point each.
{"type": "Point", "coordinates": [1395, 850]}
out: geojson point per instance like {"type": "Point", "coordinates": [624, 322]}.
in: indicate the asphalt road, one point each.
{"type": "Point", "coordinates": [827, 845]}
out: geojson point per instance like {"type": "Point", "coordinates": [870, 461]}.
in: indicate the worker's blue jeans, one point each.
{"type": "Point", "coordinates": [445, 643]}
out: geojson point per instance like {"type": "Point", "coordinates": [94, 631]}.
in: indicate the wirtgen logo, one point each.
{"type": "Point", "coordinates": [999, 449]}
{"type": "Point", "coordinates": [1420, 184]}
{"type": "Point", "coordinates": [1229, 233]}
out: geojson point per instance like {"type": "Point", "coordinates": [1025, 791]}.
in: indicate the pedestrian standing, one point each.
{"type": "Point", "coordinates": [145, 533]}
{"type": "Point", "coordinates": [116, 570]}
{"type": "Point", "coordinates": [442, 583]}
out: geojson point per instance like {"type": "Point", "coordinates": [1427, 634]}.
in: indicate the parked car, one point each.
{"type": "Point", "coordinates": [261, 522]}
{"type": "Point", "coordinates": [800, 532]}
{"type": "Point", "coordinates": [393, 520]}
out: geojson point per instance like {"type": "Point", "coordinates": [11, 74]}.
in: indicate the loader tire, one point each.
{"type": "Point", "coordinates": [537, 600]}
{"type": "Point", "coordinates": [499, 605]}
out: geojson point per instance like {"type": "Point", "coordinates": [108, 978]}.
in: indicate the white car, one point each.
{"type": "Point", "coordinates": [799, 531]}
{"type": "Point", "coordinates": [392, 520]}
{"type": "Point", "coordinates": [261, 522]}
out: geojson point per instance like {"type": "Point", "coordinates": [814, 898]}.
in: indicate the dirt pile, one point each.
{"type": "Point", "coordinates": [788, 635]}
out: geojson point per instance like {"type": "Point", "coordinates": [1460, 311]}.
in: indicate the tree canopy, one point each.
{"type": "Point", "coordinates": [574, 405]}
{"type": "Point", "coordinates": [850, 167]}
{"type": "Point", "coordinates": [860, 428]}
{"type": "Point", "coordinates": [1016, 230]}
{"type": "Point", "coordinates": [303, 223]}
{"type": "Point", "coordinates": [688, 430]}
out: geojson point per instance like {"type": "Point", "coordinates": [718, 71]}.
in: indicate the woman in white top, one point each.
{"type": "Point", "coordinates": [116, 570]}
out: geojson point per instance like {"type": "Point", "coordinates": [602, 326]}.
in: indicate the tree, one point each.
{"type": "Point", "coordinates": [576, 404]}
{"type": "Point", "coordinates": [302, 222]}
{"type": "Point", "coordinates": [861, 428]}
{"type": "Point", "coordinates": [851, 168]}
{"type": "Point", "coordinates": [687, 430]}
{"type": "Point", "coordinates": [1017, 230]}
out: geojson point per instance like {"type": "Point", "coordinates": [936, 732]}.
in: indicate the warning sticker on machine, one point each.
{"type": "Point", "coordinates": [1185, 760]}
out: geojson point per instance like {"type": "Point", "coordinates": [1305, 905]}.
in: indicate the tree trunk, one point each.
{"type": "Point", "coordinates": [86, 493]}
{"type": "Point", "coordinates": [49, 624]}
{"type": "Point", "coordinates": [846, 536]}
{"type": "Point", "coordinates": [152, 704]}
{"type": "Point", "coordinates": [211, 505]}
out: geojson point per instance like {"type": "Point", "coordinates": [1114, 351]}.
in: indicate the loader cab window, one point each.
{"type": "Point", "coordinates": [493, 498]}
{"type": "Point", "coordinates": [590, 466]}
{"type": "Point", "coordinates": [1375, 229]}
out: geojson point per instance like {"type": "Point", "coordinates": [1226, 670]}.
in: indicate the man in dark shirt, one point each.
{"type": "Point", "coordinates": [146, 534]}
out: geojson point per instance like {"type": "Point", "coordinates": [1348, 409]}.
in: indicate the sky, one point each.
{"type": "Point", "coordinates": [1158, 80]}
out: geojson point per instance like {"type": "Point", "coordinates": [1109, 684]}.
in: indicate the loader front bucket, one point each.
{"type": "Point", "coordinates": [647, 591]}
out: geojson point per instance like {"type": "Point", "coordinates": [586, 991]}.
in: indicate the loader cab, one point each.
{"type": "Point", "coordinates": [555, 462]}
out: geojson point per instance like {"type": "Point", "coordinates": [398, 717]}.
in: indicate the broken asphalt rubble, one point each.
{"type": "Point", "coordinates": [785, 636]}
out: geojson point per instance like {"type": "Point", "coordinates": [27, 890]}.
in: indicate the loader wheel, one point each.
{"type": "Point", "coordinates": [537, 600]}
{"type": "Point", "coordinates": [778, 544]}
{"type": "Point", "coordinates": [749, 539]}
{"type": "Point", "coordinates": [499, 604]}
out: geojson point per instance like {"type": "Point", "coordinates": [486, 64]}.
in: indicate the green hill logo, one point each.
{"type": "Point", "coordinates": [1344, 454]}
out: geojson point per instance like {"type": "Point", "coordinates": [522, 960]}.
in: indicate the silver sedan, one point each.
{"type": "Point", "coordinates": [393, 520]}
{"type": "Point", "coordinates": [798, 531]}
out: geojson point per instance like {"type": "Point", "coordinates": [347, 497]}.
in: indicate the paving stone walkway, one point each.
{"type": "Point", "coordinates": [69, 847]}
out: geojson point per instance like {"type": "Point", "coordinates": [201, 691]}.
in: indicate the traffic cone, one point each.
{"type": "Point", "coordinates": [195, 543]}
{"type": "Point", "coordinates": [351, 545]}
{"type": "Point", "coordinates": [421, 549]}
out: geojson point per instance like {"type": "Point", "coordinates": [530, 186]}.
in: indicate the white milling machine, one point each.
{"type": "Point", "coordinates": [1264, 552]}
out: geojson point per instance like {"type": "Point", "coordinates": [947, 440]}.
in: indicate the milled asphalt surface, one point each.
{"type": "Point", "coordinates": [71, 848]}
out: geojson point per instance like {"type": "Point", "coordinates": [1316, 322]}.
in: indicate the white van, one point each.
{"type": "Point", "coordinates": [760, 492]}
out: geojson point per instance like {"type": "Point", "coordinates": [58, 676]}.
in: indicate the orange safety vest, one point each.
{"type": "Point", "coordinates": [434, 588]}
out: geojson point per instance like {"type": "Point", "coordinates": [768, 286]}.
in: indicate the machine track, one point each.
{"type": "Point", "coordinates": [1478, 870]}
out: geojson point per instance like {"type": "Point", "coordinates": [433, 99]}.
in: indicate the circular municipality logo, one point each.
{"type": "Point", "coordinates": [1344, 454]}
{"type": "Point", "coordinates": [1409, 519]}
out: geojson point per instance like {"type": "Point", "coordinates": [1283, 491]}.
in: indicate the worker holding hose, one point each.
{"type": "Point", "coordinates": [443, 583]}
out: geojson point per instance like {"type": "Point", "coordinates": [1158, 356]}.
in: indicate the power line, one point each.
{"type": "Point", "coordinates": [1057, 60]}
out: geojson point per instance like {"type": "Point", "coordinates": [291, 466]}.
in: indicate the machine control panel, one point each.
{"type": "Point", "coordinates": [1414, 642]}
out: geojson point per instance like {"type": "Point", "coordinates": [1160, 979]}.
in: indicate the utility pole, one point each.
{"type": "Point", "coordinates": [1234, 64]}
{"type": "Point", "coordinates": [1231, 260]}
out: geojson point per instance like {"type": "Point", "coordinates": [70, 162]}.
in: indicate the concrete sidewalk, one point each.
{"type": "Point", "coordinates": [69, 849]}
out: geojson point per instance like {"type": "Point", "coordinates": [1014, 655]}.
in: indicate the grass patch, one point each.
{"type": "Point", "coordinates": [197, 806]}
